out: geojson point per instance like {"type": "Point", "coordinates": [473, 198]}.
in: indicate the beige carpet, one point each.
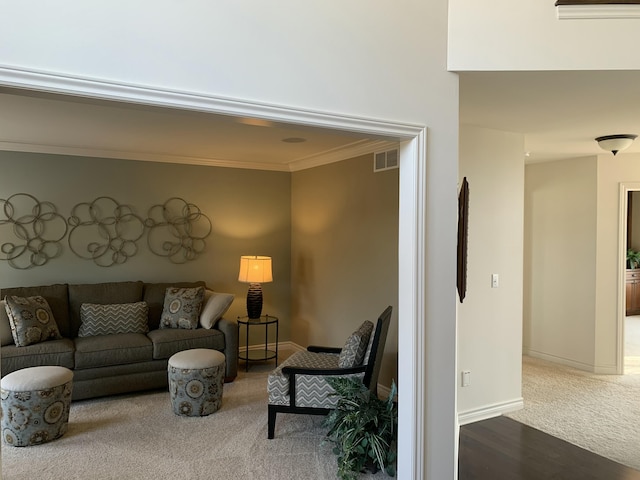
{"type": "Point", "coordinates": [600, 413]}
{"type": "Point", "coordinates": [138, 437]}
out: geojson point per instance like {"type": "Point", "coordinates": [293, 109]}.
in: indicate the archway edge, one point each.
{"type": "Point", "coordinates": [412, 382]}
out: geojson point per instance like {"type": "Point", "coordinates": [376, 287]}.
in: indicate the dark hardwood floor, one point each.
{"type": "Point", "coordinates": [503, 449]}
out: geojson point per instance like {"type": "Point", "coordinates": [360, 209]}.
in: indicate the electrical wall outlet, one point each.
{"type": "Point", "coordinates": [466, 378]}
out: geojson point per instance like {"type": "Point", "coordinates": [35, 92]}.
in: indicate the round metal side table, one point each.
{"type": "Point", "coordinates": [262, 354]}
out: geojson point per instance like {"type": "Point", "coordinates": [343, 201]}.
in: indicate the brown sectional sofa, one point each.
{"type": "Point", "coordinates": [118, 363]}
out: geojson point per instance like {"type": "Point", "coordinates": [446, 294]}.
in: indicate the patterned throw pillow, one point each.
{"type": "Point", "coordinates": [181, 307]}
{"type": "Point", "coordinates": [6, 337]}
{"type": "Point", "coordinates": [31, 320]}
{"type": "Point", "coordinates": [355, 347]}
{"type": "Point", "coordinates": [115, 318]}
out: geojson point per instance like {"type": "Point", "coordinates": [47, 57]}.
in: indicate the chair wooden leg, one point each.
{"type": "Point", "coordinates": [272, 421]}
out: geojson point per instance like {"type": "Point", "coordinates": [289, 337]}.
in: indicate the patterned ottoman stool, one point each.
{"type": "Point", "coordinates": [195, 381]}
{"type": "Point", "coordinates": [35, 405]}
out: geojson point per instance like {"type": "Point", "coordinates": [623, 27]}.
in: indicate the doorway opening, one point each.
{"type": "Point", "coordinates": [629, 323]}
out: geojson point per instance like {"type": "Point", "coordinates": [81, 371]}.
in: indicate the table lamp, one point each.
{"type": "Point", "coordinates": [255, 270]}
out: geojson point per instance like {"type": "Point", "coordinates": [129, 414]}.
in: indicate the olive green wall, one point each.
{"type": "Point", "coordinates": [249, 212]}
{"type": "Point", "coordinates": [344, 254]}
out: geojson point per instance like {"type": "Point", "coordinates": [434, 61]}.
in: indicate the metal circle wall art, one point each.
{"type": "Point", "coordinates": [177, 230]}
{"type": "Point", "coordinates": [35, 230]}
{"type": "Point", "coordinates": [105, 231]}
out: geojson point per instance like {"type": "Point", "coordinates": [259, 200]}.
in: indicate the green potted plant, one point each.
{"type": "Point", "coordinates": [363, 428]}
{"type": "Point", "coordinates": [633, 258]}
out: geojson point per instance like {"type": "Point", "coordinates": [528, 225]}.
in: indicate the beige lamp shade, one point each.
{"type": "Point", "coordinates": [255, 269]}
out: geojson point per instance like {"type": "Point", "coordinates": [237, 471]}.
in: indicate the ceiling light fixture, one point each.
{"type": "Point", "coordinates": [616, 143]}
{"type": "Point", "coordinates": [255, 122]}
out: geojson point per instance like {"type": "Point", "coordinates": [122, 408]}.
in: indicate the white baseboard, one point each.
{"type": "Point", "coordinates": [597, 369]}
{"type": "Point", "coordinates": [490, 411]}
{"type": "Point", "coordinates": [282, 347]}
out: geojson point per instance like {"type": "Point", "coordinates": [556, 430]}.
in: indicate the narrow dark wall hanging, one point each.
{"type": "Point", "coordinates": [463, 227]}
{"type": "Point", "coordinates": [31, 231]}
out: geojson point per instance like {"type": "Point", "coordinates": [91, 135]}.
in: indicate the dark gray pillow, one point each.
{"type": "Point", "coordinates": [355, 347]}
{"type": "Point", "coordinates": [31, 320]}
{"type": "Point", "coordinates": [114, 318]}
{"type": "Point", "coordinates": [181, 307]}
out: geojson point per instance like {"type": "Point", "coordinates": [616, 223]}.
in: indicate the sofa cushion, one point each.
{"type": "Point", "coordinates": [107, 350]}
{"type": "Point", "coordinates": [115, 318]}
{"type": "Point", "coordinates": [53, 352]}
{"type": "Point", "coordinates": [215, 306]}
{"type": "Point", "coordinates": [101, 293]}
{"type": "Point", "coordinates": [6, 337]}
{"type": "Point", "coordinates": [154, 296]}
{"type": "Point", "coordinates": [57, 296]}
{"type": "Point", "coordinates": [182, 307]}
{"type": "Point", "coordinates": [31, 320]}
{"type": "Point", "coordinates": [166, 342]}
{"type": "Point", "coordinates": [355, 347]}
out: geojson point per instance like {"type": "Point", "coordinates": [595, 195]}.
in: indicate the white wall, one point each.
{"type": "Point", "coordinates": [490, 319]}
{"type": "Point", "coordinates": [337, 57]}
{"type": "Point", "coordinates": [560, 261]}
{"type": "Point", "coordinates": [572, 211]}
{"type": "Point", "coordinates": [527, 35]}
{"type": "Point", "coordinates": [331, 56]}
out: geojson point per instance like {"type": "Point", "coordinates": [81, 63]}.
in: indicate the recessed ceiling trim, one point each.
{"type": "Point", "coordinates": [17, 77]}
{"type": "Point", "coordinates": [339, 154]}
{"type": "Point", "coordinates": [356, 149]}
{"type": "Point", "coordinates": [331, 156]}
{"type": "Point", "coordinates": [140, 156]}
{"type": "Point", "coordinates": [608, 11]}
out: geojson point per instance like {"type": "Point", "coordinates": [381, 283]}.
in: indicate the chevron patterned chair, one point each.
{"type": "Point", "coordinates": [299, 384]}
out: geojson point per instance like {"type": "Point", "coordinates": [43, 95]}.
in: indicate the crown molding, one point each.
{"type": "Point", "coordinates": [323, 158]}
{"type": "Point", "coordinates": [139, 156]}
{"type": "Point", "coordinates": [17, 77]}
{"type": "Point", "coordinates": [356, 149]}
{"type": "Point", "coordinates": [605, 11]}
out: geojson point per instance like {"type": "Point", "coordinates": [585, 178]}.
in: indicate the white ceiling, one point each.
{"type": "Point", "coordinates": [46, 123]}
{"type": "Point", "coordinates": [560, 114]}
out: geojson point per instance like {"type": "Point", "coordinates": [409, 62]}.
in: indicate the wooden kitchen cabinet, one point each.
{"type": "Point", "coordinates": [633, 291]}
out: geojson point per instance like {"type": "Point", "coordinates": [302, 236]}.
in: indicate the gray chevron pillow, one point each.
{"type": "Point", "coordinates": [115, 318]}
{"type": "Point", "coordinates": [355, 347]}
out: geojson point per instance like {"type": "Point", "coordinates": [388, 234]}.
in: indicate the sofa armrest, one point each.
{"type": "Point", "coordinates": [229, 327]}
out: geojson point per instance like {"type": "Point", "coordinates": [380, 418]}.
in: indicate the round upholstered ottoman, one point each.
{"type": "Point", "coordinates": [195, 381]}
{"type": "Point", "coordinates": [35, 405]}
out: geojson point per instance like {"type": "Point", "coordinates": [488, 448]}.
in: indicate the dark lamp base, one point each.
{"type": "Point", "coordinates": [254, 301]}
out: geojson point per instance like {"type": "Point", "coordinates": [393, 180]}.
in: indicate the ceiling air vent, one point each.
{"type": "Point", "coordinates": [386, 160]}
